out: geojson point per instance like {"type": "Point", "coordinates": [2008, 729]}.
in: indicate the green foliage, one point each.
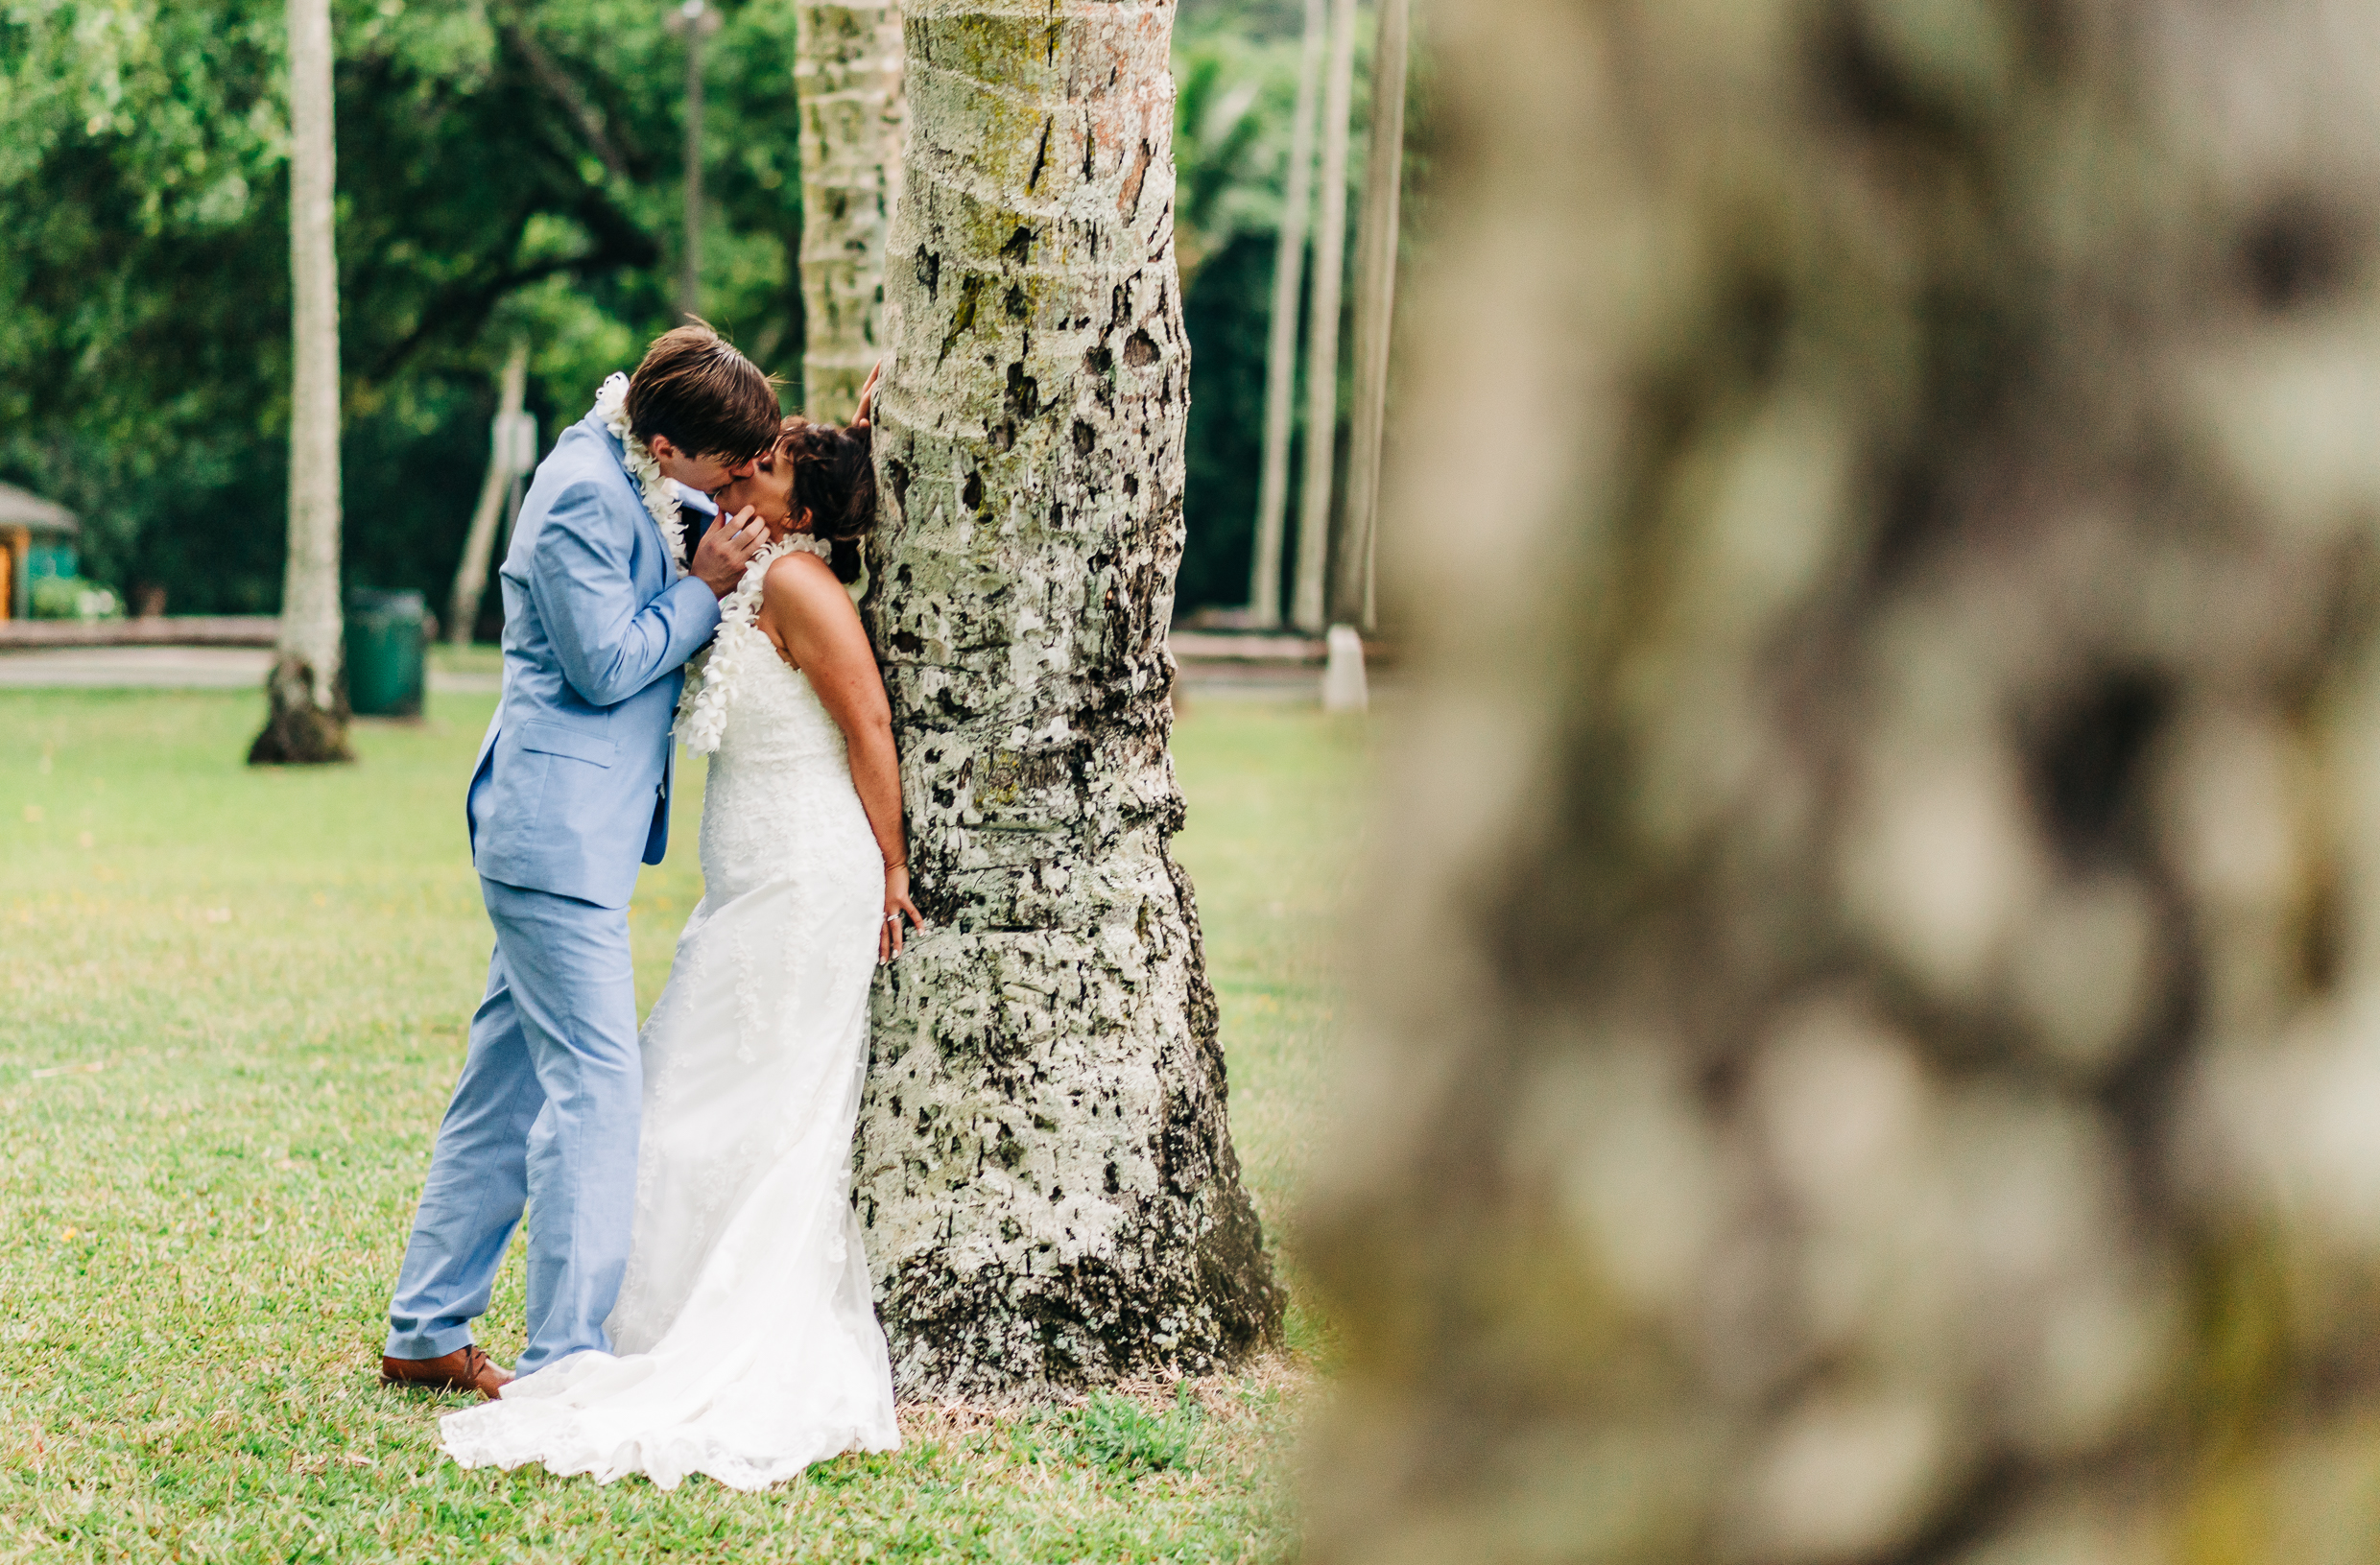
{"type": "Point", "coordinates": [505, 168]}
{"type": "Point", "coordinates": [1225, 311]}
{"type": "Point", "coordinates": [1236, 65]}
{"type": "Point", "coordinates": [71, 598]}
{"type": "Point", "coordinates": [1236, 75]}
{"type": "Point", "coordinates": [233, 1018]}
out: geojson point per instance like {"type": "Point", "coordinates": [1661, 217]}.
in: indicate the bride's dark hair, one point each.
{"type": "Point", "coordinates": [835, 481]}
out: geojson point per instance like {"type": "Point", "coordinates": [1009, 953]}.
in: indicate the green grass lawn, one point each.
{"type": "Point", "coordinates": [231, 1006]}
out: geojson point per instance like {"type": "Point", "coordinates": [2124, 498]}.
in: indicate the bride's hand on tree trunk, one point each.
{"type": "Point", "coordinates": [868, 398]}
{"type": "Point", "coordinates": [896, 904]}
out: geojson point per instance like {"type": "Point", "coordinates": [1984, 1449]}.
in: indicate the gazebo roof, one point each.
{"type": "Point", "coordinates": [22, 507]}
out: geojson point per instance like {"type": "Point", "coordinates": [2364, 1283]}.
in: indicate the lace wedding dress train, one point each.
{"type": "Point", "coordinates": [745, 1342]}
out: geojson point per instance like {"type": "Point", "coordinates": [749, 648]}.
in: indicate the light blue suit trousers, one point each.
{"type": "Point", "coordinates": [545, 1113]}
{"type": "Point", "coordinates": [570, 792]}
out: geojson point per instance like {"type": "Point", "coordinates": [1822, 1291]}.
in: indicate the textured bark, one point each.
{"type": "Point", "coordinates": [308, 720]}
{"type": "Point", "coordinates": [1289, 265]}
{"type": "Point", "coordinates": [847, 70]}
{"type": "Point", "coordinates": [1330, 253]}
{"type": "Point", "coordinates": [300, 729]}
{"type": "Point", "coordinates": [1872, 1020]}
{"type": "Point", "coordinates": [1045, 1168]}
{"type": "Point", "coordinates": [1351, 575]}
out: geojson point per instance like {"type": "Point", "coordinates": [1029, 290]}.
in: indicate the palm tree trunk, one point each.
{"type": "Point", "coordinates": [1331, 248]}
{"type": "Point", "coordinates": [695, 22]}
{"type": "Point", "coordinates": [307, 720]}
{"type": "Point", "coordinates": [847, 67]}
{"type": "Point", "coordinates": [1264, 589]}
{"type": "Point", "coordinates": [1867, 1052]}
{"type": "Point", "coordinates": [471, 575]}
{"type": "Point", "coordinates": [1351, 591]}
{"type": "Point", "coordinates": [1044, 1167]}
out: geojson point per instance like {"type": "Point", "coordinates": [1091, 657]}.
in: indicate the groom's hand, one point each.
{"type": "Point", "coordinates": [727, 546]}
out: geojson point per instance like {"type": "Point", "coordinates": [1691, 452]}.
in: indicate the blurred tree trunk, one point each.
{"type": "Point", "coordinates": [1870, 1040]}
{"type": "Point", "coordinates": [1289, 264]}
{"type": "Point", "coordinates": [1045, 1169]}
{"type": "Point", "coordinates": [848, 65]}
{"type": "Point", "coordinates": [1330, 252]}
{"type": "Point", "coordinates": [307, 689]}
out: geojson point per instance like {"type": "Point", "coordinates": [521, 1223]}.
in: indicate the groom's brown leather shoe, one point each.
{"type": "Point", "coordinates": [466, 1370]}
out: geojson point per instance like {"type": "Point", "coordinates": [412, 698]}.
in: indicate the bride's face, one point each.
{"type": "Point", "coordinates": [767, 488]}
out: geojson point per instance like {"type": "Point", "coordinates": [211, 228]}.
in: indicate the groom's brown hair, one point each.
{"type": "Point", "coordinates": [707, 398]}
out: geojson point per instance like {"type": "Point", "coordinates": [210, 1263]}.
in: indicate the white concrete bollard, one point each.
{"type": "Point", "coordinates": [1344, 687]}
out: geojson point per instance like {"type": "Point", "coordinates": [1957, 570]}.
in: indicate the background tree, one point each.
{"type": "Point", "coordinates": [504, 171]}
{"type": "Point", "coordinates": [307, 716]}
{"type": "Point", "coordinates": [848, 77]}
{"type": "Point", "coordinates": [693, 21]}
{"type": "Point", "coordinates": [1331, 248]}
{"type": "Point", "coordinates": [1377, 244]}
{"type": "Point", "coordinates": [1045, 1170]}
{"type": "Point", "coordinates": [1289, 271]}
{"type": "Point", "coordinates": [1868, 1047]}
{"type": "Point", "coordinates": [495, 491]}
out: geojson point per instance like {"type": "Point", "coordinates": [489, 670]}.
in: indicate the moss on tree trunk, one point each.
{"type": "Point", "coordinates": [1045, 1166]}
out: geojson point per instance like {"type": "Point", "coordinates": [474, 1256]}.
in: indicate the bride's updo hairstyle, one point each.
{"type": "Point", "coordinates": [835, 481]}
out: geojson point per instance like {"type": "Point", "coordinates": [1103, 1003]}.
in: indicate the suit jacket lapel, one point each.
{"type": "Point", "coordinates": [636, 493]}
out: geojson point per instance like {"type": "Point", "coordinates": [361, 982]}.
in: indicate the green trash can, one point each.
{"type": "Point", "coordinates": [386, 634]}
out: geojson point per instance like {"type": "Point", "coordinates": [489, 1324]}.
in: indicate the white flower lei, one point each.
{"type": "Point", "coordinates": [711, 676]}
{"type": "Point", "coordinates": [661, 500]}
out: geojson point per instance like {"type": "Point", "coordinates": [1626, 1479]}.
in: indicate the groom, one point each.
{"type": "Point", "coordinates": [570, 790]}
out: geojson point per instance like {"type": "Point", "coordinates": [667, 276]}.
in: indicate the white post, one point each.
{"type": "Point", "coordinates": [1344, 688]}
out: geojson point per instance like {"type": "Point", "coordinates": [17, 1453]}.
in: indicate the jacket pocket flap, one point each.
{"type": "Point", "coordinates": [552, 738]}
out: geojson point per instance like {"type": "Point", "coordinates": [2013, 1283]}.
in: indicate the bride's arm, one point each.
{"type": "Point", "coordinates": [805, 610]}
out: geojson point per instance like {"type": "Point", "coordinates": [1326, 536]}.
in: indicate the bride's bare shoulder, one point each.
{"type": "Point", "coordinates": [801, 582]}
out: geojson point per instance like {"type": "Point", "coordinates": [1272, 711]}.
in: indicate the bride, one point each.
{"type": "Point", "coordinates": [744, 1342]}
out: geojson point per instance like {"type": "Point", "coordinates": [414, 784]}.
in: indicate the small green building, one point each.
{"type": "Point", "coordinates": [36, 539]}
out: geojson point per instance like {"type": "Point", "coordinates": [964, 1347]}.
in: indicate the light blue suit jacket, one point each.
{"type": "Point", "coordinates": [577, 759]}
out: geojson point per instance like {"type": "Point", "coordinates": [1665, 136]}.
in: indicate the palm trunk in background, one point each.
{"type": "Point", "coordinates": [1351, 595]}
{"type": "Point", "coordinates": [307, 718]}
{"type": "Point", "coordinates": [1044, 1168]}
{"type": "Point", "coordinates": [1866, 1048]}
{"type": "Point", "coordinates": [1264, 581]}
{"type": "Point", "coordinates": [471, 575]}
{"type": "Point", "coordinates": [1331, 248]}
{"type": "Point", "coordinates": [848, 69]}
{"type": "Point", "coordinates": [696, 19]}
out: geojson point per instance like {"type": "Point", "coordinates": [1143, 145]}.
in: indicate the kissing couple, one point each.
{"type": "Point", "coordinates": [698, 1300]}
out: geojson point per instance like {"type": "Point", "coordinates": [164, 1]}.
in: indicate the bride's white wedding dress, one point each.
{"type": "Point", "coordinates": [746, 1346]}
